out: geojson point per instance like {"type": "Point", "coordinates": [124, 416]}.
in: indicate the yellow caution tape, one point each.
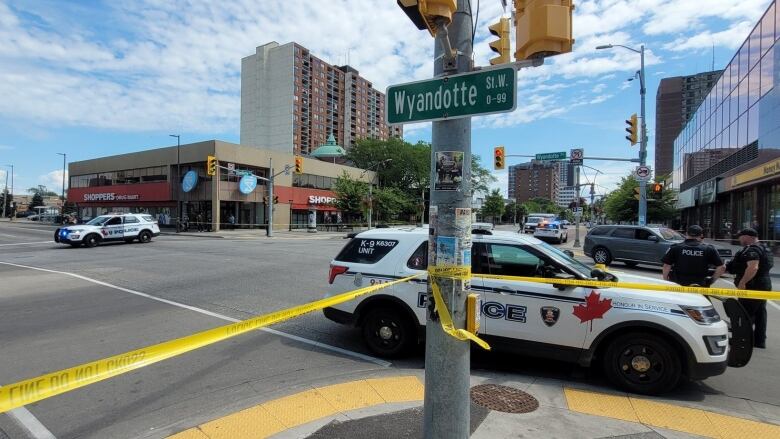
{"type": "Point", "coordinates": [447, 324]}
{"type": "Point", "coordinates": [45, 386]}
{"type": "Point", "coordinates": [728, 292]}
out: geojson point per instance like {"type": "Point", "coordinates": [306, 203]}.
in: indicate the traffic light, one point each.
{"type": "Point", "coordinates": [211, 165]}
{"type": "Point", "coordinates": [498, 155]}
{"type": "Point", "coordinates": [543, 28]}
{"type": "Point", "coordinates": [632, 129]}
{"type": "Point", "coordinates": [636, 193]}
{"type": "Point", "coordinates": [298, 164]}
{"type": "Point", "coordinates": [658, 191]}
{"type": "Point", "coordinates": [424, 13]}
{"type": "Point", "coordinates": [501, 46]}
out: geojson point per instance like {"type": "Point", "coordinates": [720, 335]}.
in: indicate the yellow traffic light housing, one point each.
{"type": "Point", "coordinates": [298, 164]}
{"type": "Point", "coordinates": [502, 46]}
{"type": "Point", "coordinates": [424, 13]}
{"type": "Point", "coordinates": [543, 28]}
{"type": "Point", "coordinates": [632, 129]}
{"type": "Point", "coordinates": [211, 165]}
{"type": "Point", "coordinates": [498, 155]}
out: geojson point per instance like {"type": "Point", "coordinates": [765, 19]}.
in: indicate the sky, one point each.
{"type": "Point", "coordinates": [92, 78]}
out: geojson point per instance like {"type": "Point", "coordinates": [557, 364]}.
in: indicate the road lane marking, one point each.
{"type": "Point", "coordinates": [33, 229]}
{"type": "Point", "coordinates": [328, 347]}
{"type": "Point", "coordinates": [773, 303]}
{"type": "Point", "coordinates": [287, 412]}
{"type": "Point", "coordinates": [30, 423]}
{"type": "Point", "coordinates": [27, 243]}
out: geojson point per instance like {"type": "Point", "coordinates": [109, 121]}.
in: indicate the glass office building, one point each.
{"type": "Point", "coordinates": [727, 157]}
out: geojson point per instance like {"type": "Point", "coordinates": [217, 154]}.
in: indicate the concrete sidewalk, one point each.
{"type": "Point", "coordinates": [257, 234]}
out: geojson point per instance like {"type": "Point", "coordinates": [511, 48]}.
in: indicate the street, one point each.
{"type": "Point", "coordinates": [63, 306]}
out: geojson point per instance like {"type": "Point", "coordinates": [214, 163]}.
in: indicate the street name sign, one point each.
{"type": "Point", "coordinates": [450, 97]}
{"type": "Point", "coordinates": [551, 156]}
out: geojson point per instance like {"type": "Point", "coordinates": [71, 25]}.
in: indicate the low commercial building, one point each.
{"type": "Point", "coordinates": [156, 182]}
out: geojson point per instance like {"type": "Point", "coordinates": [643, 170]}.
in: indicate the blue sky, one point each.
{"type": "Point", "coordinates": [93, 78]}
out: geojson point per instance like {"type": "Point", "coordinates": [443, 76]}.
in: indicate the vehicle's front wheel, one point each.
{"type": "Point", "coordinates": [144, 237]}
{"type": "Point", "coordinates": [642, 363]}
{"type": "Point", "coordinates": [91, 241]}
{"type": "Point", "coordinates": [602, 256]}
{"type": "Point", "coordinates": [387, 332]}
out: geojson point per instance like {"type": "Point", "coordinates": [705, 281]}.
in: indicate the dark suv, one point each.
{"type": "Point", "coordinates": [633, 244]}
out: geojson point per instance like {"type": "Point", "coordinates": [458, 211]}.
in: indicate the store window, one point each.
{"type": "Point", "coordinates": [745, 209]}
{"type": "Point", "coordinates": [772, 220]}
{"type": "Point", "coordinates": [724, 219]}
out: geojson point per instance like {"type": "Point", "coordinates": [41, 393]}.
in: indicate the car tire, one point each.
{"type": "Point", "coordinates": [92, 240]}
{"type": "Point", "coordinates": [631, 264]}
{"type": "Point", "coordinates": [602, 256]}
{"type": "Point", "coordinates": [144, 237]}
{"type": "Point", "coordinates": [642, 363]}
{"type": "Point", "coordinates": [387, 332]}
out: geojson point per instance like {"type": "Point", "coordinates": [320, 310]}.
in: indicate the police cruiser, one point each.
{"type": "Point", "coordinates": [645, 341]}
{"type": "Point", "coordinates": [107, 228]}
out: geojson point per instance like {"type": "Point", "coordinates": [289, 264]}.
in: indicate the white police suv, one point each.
{"type": "Point", "coordinates": [107, 228]}
{"type": "Point", "coordinates": [554, 231]}
{"type": "Point", "coordinates": [644, 340]}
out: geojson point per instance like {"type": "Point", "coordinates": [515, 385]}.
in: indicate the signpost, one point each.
{"type": "Point", "coordinates": [642, 172]}
{"type": "Point", "coordinates": [455, 96]}
{"type": "Point", "coordinates": [576, 156]}
{"type": "Point", "coordinates": [551, 156]}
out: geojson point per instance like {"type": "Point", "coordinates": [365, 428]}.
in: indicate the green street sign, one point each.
{"type": "Point", "coordinates": [551, 156]}
{"type": "Point", "coordinates": [451, 97]}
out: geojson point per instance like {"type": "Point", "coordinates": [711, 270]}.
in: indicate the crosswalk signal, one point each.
{"type": "Point", "coordinates": [501, 46]}
{"type": "Point", "coordinates": [211, 165]}
{"type": "Point", "coordinates": [424, 13]}
{"type": "Point", "coordinates": [498, 156]}
{"type": "Point", "coordinates": [658, 190]}
{"type": "Point", "coordinates": [298, 164]}
{"type": "Point", "coordinates": [542, 28]}
{"type": "Point", "coordinates": [632, 129]}
{"type": "Point", "coordinates": [636, 193]}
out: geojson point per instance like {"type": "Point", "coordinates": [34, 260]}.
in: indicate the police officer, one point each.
{"type": "Point", "coordinates": [750, 267]}
{"type": "Point", "coordinates": [688, 262]}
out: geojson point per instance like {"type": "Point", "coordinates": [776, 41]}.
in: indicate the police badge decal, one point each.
{"type": "Point", "coordinates": [550, 315]}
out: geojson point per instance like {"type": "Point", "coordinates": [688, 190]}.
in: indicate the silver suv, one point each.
{"type": "Point", "coordinates": [633, 244]}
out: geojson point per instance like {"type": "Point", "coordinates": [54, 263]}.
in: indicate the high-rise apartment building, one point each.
{"type": "Point", "coordinates": [534, 179]}
{"type": "Point", "coordinates": [563, 169]}
{"type": "Point", "coordinates": [291, 101]}
{"type": "Point", "coordinates": [676, 101]}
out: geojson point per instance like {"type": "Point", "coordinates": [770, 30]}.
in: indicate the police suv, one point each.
{"type": "Point", "coordinates": [645, 341]}
{"type": "Point", "coordinates": [107, 228]}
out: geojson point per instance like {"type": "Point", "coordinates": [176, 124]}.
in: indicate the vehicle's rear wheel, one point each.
{"type": "Point", "coordinates": [642, 363]}
{"type": "Point", "coordinates": [602, 256]}
{"type": "Point", "coordinates": [92, 240]}
{"type": "Point", "coordinates": [144, 237]}
{"type": "Point", "coordinates": [631, 264]}
{"type": "Point", "coordinates": [387, 332]}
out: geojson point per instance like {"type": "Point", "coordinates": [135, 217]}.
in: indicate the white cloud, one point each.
{"type": "Point", "coordinates": [730, 38]}
{"type": "Point", "coordinates": [501, 183]}
{"type": "Point", "coordinates": [673, 16]}
{"type": "Point", "coordinates": [53, 180]}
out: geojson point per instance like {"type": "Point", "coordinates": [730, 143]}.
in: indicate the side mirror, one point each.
{"type": "Point", "coordinates": [652, 238]}
{"type": "Point", "coordinates": [569, 253]}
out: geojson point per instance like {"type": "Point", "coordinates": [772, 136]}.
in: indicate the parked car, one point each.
{"type": "Point", "coordinates": [633, 244]}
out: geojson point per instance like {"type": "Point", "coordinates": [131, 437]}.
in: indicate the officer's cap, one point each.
{"type": "Point", "coordinates": [694, 231]}
{"type": "Point", "coordinates": [748, 232]}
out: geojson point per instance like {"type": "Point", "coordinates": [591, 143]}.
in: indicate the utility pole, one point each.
{"type": "Point", "coordinates": [5, 193]}
{"type": "Point", "coordinates": [577, 215]}
{"type": "Point", "coordinates": [269, 232]}
{"type": "Point", "coordinates": [177, 186]}
{"type": "Point", "coordinates": [62, 209]}
{"type": "Point", "coordinates": [643, 142]}
{"type": "Point", "coordinates": [447, 360]}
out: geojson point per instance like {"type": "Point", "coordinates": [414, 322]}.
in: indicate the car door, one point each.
{"type": "Point", "coordinates": [534, 314]}
{"type": "Point", "coordinates": [131, 227]}
{"type": "Point", "coordinates": [113, 229]}
{"type": "Point", "coordinates": [647, 246]}
{"type": "Point", "coordinates": [621, 241]}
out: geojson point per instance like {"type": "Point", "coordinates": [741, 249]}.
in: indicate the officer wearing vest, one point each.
{"type": "Point", "coordinates": [750, 267]}
{"type": "Point", "coordinates": [688, 262]}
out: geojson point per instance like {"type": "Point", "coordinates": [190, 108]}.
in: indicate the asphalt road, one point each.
{"type": "Point", "coordinates": [53, 319]}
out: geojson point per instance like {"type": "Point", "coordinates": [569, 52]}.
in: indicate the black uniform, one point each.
{"type": "Point", "coordinates": [691, 261]}
{"type": "Point", "coordinates": [756, 308]}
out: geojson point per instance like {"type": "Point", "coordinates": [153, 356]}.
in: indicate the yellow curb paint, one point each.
{"type": "Point", "coordinates": [291, 411]}
{"type": "Point", "coordinates": [669, 416]}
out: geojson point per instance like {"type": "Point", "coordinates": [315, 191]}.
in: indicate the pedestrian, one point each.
{"type": "Point", "coordinates": [232, 222]}
{"type": "Point", "coordinates": [750, 267]}
{"type": "Point", "coordinates": [689, 262]}
{"type": "Point", "coordinates": [199, 221]}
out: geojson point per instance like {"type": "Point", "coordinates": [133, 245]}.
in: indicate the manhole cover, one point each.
{"type": "Point", "coordinates": [503, 399]}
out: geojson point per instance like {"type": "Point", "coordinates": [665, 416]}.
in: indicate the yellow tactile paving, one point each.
{"type": "Point", "coordinates": [300, 408]}
{"type": "Point", "coordinates": [250, 423]}
{"type": "Point", "coordinates": [400, 389]}
{"type": "Point", "coordinates": [600, 404]}
{"type": "Point", "coordinates": [351, 396]}
{"type": "Point", "coordinates": [669, 416]}
{"type": "Point", "coordinates": [192, 433]}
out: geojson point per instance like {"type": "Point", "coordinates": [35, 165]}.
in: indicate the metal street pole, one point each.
{"type": "Point", "coordinates": [643, 142]}
{"type": "Point", "coordinates": [178, 181]}
{"type": "Point", "coordinates": [447, 360]}
{"type": "Point", "coordinates": [13, 211]}
{"type": "Point", "coordinates": [62, 207]}
{"type": "Point", "coordinates": [5, 194]}
{"type": "Point", "coordinates": [370, 202]}
{"type": "Point", "coordinates": [269, 231]}
{"type": "Point", "coordinates": [577, 216]}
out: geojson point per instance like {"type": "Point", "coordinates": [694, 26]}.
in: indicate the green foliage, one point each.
{"type": "Point", "coordinates": [509, 212]}
{"type": "Point", "coordinates": [494, 205]}
{"type": "Point", "coordinates": [389, 202]}
{"type": "Point", "coordinates": [349, 196]}
{"type": "Point", "coordinates": [8, 197]}
{"type": "Point", "coordinates": [37, 200]}
{"type": "Point", "coordinates": [42, 190]}
{"type": "Point", "coordinates": [481, 177]}
{"type": "Point", "coordinates": [620, 204]}
{"type": "Point", "coordinates": [566, 214]}
{"type": "Point", "coordinates": [540, 205]}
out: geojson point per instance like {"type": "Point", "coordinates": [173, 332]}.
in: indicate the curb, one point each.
{"type": "Point", "coordinates": [191, 235]}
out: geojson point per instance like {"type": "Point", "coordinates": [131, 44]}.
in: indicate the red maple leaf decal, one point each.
{"type": "Point", "coordinates": [594, 308]}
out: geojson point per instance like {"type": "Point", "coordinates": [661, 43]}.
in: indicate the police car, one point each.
{"type": "Point", "coordinates": [645, 341]}
{"type": "Point", "coordinates": [554, 231]}
{"type": "Point", "coordinates": [107, 228]}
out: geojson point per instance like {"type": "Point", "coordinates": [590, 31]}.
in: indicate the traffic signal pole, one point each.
{"type": "Point", "coordinates": [643, 142]}
{"type": "Point", "coordinates": [447, 360]}
{"type": "Point", "coordinates": [269, 232]}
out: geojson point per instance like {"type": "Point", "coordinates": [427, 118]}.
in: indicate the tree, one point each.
{"type": "Point", "coordinates": [510, 212]}
{"type": "Point", "coordinates": [37, 200]}
{"type": "Point", "coordinates": [494, 205]}
{"type": "Point", "coordinates": [481, 178]}
{"type": "Point", "coordinates": [349, 196]}
{"type": "Point", "coordinates": [43, 191]}
{"type": "Point", "coordinates": [620, 204]}
{"type": "Point", "coordinates": [389, 202]}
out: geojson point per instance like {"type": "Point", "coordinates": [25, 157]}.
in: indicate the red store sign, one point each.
{"type": "Point", "coordinates": [120, 193]}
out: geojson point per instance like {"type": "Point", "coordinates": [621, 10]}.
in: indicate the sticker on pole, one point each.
{"type": "Point", "coordinates": [576, 156]}
{"type": "Point", "coordinates": [449, 170]}
{"type": "Point", "coordinates": [642, 173]}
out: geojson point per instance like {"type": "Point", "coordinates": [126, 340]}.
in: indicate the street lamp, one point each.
{"type": "Point", "coordinates": [643, 137]}
{"type": "Point", "coordinates": [62, 209]}
{"type": "Point", "coordinates": [178, 177]}
{"type": "Point", "coordinates": [370, 189]}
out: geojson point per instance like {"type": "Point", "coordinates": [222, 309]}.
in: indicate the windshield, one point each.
{"type": "Point", "coordinates": [564, 259]}
{"type": "Point", "coordinates": [535, 219]}
{"type": "Point", "coordinates": [670, 234]}
{"type": "Point", "coordinates": [98, 221]}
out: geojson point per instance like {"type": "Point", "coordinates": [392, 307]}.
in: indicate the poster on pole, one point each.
{"type": "Point", "coordinates": [449, 171]}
